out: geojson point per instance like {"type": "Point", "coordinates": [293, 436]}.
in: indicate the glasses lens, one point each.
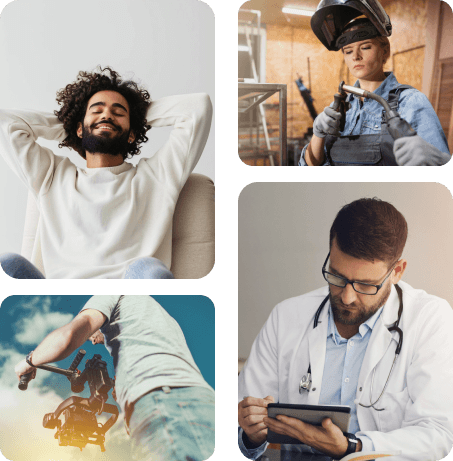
{"type": "Point", "coordinates": [334, 280]}
{"type": "Point", "coordinates": [365, 289]}
{"type": "Point", "coordinates": [359, 287]}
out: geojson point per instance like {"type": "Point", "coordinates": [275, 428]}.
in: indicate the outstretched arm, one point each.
{"type": "Point", "coordinates": [64, 341]}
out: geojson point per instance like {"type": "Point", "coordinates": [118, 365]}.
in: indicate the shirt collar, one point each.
{"type": "Point", "coordinates": [383, 90]}
{"type": "Point", "coordinates": [363, 329]}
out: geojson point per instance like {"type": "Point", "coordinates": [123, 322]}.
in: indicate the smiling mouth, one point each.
{"type": "Point", "coordinates": [105, 127]}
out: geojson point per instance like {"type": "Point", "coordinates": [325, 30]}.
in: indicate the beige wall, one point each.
{"type": "Point", "coordinates": [284, 233]}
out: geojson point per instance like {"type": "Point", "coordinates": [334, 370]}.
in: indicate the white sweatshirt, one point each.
{"type": "Point", "coordinates": [94, 222]}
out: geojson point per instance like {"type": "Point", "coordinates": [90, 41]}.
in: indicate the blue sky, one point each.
{"type": "Point", "coordinates": [25, 321]}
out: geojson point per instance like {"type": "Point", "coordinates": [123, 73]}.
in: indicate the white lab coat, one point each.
{"type": "Point", "coordinates": [418, 401]}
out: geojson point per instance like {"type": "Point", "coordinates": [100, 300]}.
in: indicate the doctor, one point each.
{"type": "Point", "coordinates": [368, 340]}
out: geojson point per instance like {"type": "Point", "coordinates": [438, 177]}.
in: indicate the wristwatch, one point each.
{"type": "Point", "coordinates": [28, 359]}
{"type": "Point", "coordinates": [352, 443]}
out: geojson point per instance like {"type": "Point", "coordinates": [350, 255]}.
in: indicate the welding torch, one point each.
{"type": "Point", "coordinates": [398, 127]}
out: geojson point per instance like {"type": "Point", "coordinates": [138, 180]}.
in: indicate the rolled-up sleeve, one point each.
{"type": "Point", "coordinates": [302, 161]}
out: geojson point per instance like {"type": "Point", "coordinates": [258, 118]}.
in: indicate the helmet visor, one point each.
{"type": "Point", "coordinates": [332, 16]}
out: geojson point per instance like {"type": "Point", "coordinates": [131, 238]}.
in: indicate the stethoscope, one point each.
{"type": "Point", "coordinates": [306, 381]}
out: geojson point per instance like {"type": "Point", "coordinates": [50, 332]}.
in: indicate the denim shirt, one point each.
{"type": "Point", "coordinates": [413, 106]}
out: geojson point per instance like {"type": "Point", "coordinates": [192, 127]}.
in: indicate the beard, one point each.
{"type": "Point", "coordinates": [360, 313]}
{"type": "Point", "coordinates": [105, 144]}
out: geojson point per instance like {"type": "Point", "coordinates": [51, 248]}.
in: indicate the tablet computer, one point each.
{"type": "Point", "coordinates": [312, 414]}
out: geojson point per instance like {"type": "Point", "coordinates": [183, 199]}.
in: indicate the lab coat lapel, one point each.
{"type": "Point", "coordinates": [379, 341]}
{"type": "Point", "coordinates": [317, 352]}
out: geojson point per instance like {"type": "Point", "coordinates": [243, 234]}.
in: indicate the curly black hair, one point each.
{"type": "Point", "coordinates": [75, 96]}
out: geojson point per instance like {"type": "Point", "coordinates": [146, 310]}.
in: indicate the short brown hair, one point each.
{"type": "Point", "coordinates": [370, 229]}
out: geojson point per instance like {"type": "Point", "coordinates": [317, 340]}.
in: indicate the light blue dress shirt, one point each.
{"type": "Point", "coordinates": [413, 106]}
{"type": "Point", "coordinates": [340, 378]}
{"type": "Point", "coordinates": [342, 367]}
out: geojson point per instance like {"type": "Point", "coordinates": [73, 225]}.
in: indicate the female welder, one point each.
{"type": "Point", "coordinates": [365, 139]}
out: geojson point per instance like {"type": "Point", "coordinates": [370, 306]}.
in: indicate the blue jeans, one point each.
{"type": "Point", "coordinates": [148, 268]}
{"type": "Point", "coordinates": [18, 267]}
{"type": "Point", "coordinates": [173, 425]}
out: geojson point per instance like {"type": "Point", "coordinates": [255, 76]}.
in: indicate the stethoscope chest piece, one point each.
{"type": "Point", "coordinates": [305, 383]}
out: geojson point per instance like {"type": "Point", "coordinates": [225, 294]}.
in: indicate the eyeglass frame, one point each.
{"type": "Point", "coordinates": [351, 282]}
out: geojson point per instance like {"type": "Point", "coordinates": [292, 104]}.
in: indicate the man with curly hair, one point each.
{"type": "Point", "coordinates": [110, 219]}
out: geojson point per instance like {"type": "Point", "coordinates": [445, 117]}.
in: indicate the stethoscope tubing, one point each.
{"type": "Point", "coordinates": [305, 382]}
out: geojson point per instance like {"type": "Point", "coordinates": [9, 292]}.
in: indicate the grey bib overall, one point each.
{"type": "Point", "coordinates": [366, 149]}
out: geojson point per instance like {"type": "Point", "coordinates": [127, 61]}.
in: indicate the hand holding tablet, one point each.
{"type": "Point", "coordinates": [319, 426]}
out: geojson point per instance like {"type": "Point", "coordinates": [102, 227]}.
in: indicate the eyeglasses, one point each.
{"type": "Point", "coordinates": [359, 287]}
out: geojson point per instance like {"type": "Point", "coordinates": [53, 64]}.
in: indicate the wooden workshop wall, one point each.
{"type": "Point", "coordinates": [409, 31]}
{"type": "Point", "coordinates": [288, 48]}
{"type": "Point", "coordinates": [286, 55]}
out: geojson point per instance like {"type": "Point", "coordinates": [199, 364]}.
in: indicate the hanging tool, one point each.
{"type": "Point", "coordinates": [306, 96]}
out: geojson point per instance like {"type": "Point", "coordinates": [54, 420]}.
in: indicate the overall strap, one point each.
{"type": "Point", "coordinates": [394, 96]}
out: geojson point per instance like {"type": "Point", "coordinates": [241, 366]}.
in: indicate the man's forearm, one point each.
{"type": "Point", "coordinates": [19, 131]}
{"type": "Point", "coordinates": [190, 115]}
{"type": "Point", "coordinates": [55, 347]}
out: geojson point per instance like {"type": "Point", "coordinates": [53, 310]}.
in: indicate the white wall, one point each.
{"type": "Point", "coordinates": [166, 44]}
{"type": "Point", "coordinates": [284, 240]}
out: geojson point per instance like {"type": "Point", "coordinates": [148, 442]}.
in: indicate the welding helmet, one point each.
{"type": "Point", "coordinates": [332, 16]}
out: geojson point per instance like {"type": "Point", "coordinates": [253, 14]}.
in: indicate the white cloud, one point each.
{"type": "Point", "coordinates": [36, 303]}
{"type": "Point", "coordinates": [23, 437]}
{"type": "Point", "coordinates": [9, 358]}
{"type": "Point", "coordinates": [32, 330]}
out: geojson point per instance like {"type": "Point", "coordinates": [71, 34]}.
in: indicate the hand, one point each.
{"type": "Point", "coordinates": [414, 150]}
{"type": "Point", "coordinates": [327, 122]}
{"type": "Point", "coordinates": [251, 413]}
{"type": "Point", "coordinates": [96, 338]}
{"type": "Point", "coordinates": [328, 438]}
{"type": "Point", "coordinates": [23, 368]}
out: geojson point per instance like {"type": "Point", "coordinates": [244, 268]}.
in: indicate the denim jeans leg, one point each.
{"type": "Point", "coordinates": [148, 268]}
{"type": "Point", "coordinates": [18, 267]}
{"type": "Point", "coordinates": [175, 426]}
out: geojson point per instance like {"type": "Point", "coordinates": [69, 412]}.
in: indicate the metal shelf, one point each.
{"type": "Point", "coordinates": [250, 95]}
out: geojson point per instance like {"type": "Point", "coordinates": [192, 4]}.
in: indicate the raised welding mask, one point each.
{"type": "Point", "coordinates": [332, 16]}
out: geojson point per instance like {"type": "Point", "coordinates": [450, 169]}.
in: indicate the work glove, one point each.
{"type": "Point", "coordinates": [327, 122]}
{"type": "Point", "coordinates": [414, 150]}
